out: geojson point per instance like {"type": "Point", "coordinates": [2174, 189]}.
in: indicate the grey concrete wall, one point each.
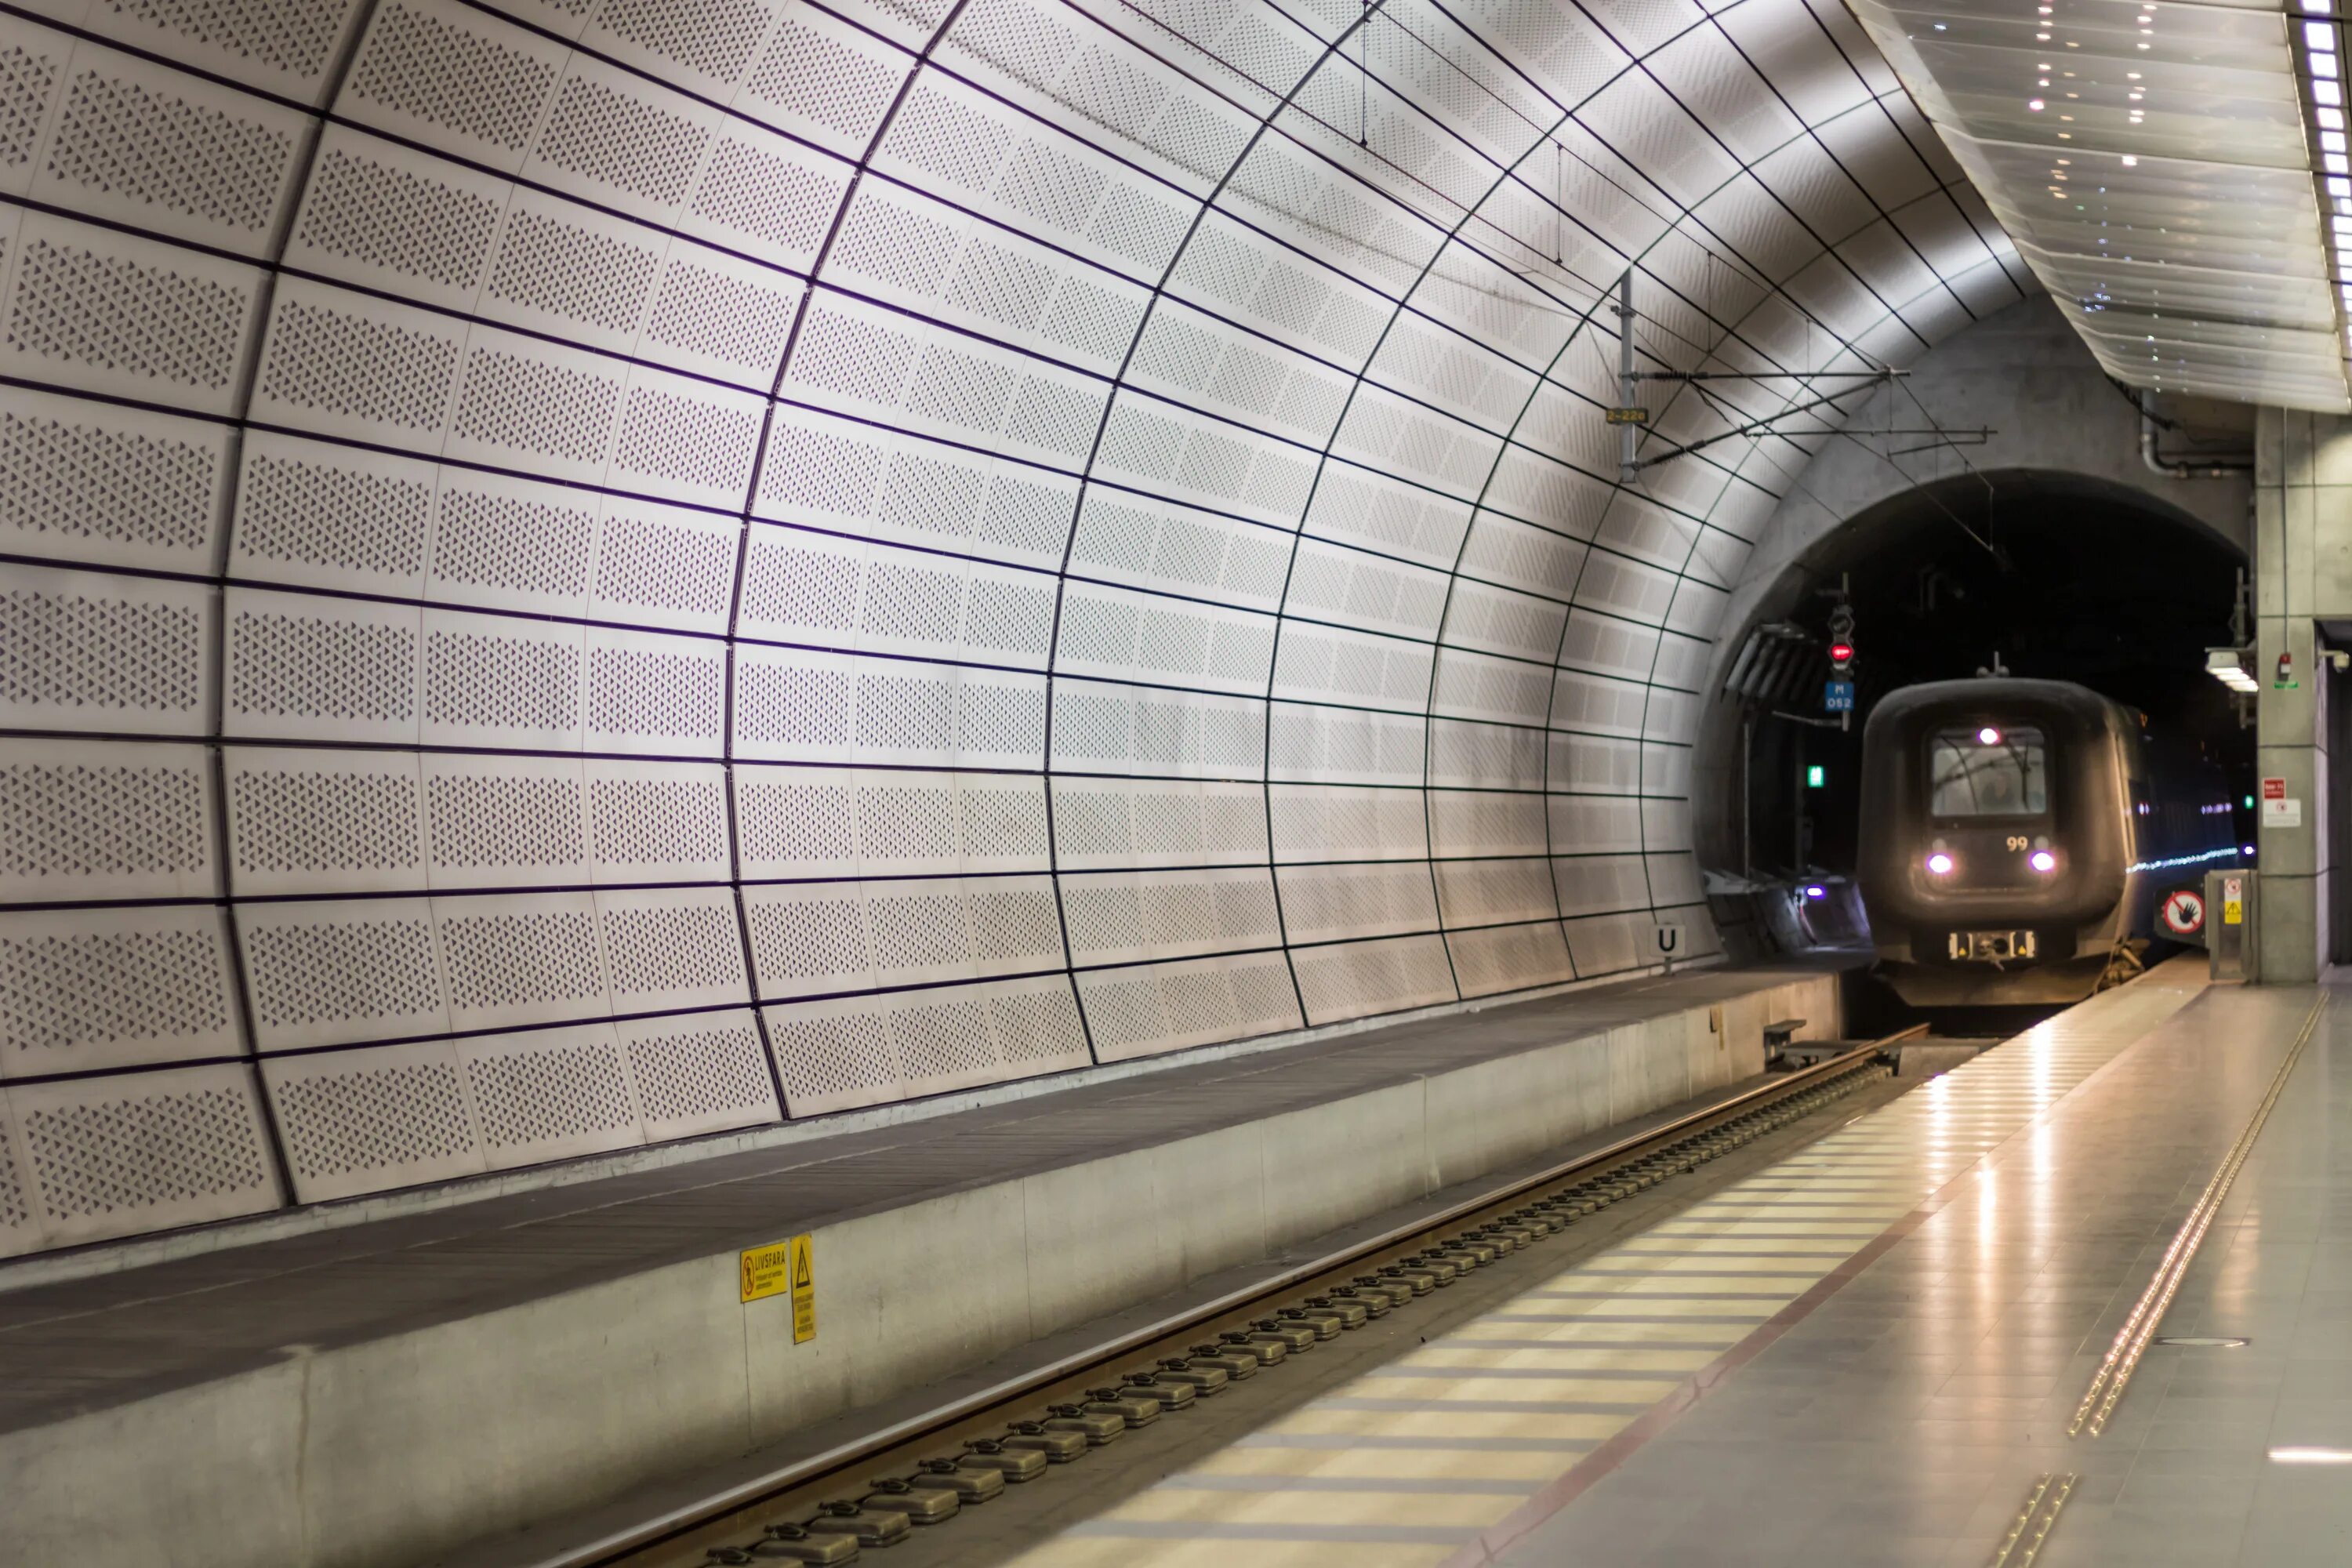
{"type": "Point", "coordinates": [390, 1452]}
{"type": "Point", "coordinates": [2024, 374]}
{"type": "Point", "coordinates": [2057, 423]}
{"type": "Point", "coordinates": [2302, 575]}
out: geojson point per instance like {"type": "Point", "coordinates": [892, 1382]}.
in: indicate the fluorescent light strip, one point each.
{"type": "Point", "coordinates": [2179, 860]}
{"type": "Point", "coordinates": [2328, 115]}
{"type": "Point", "coordinates": [2311, 1456]}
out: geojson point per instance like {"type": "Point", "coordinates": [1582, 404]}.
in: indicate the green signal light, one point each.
{"type": "Point", "coordinates": [2250, 803]}
{"type": "Point", "coordinates": [1816, 776]}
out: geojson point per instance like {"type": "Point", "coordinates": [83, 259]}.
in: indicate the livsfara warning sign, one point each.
{"type": "Point", "coordinates": [767, 1271]}
{"type": "Point", "coordinates": [783, 1265]}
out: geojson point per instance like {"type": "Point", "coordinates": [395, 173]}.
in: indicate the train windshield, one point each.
{"type": "Point", "coordinates": [1987, 773]}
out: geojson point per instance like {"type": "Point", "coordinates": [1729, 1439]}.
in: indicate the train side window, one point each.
{"type": "Point", "coordinates": [1971, 776]}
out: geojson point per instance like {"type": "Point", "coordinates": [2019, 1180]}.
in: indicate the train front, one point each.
{"type": "Point", "coordinates": [1996, 840]}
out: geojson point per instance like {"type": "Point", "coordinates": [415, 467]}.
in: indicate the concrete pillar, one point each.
{"type": "Point", "coordinates": [2302, 575]}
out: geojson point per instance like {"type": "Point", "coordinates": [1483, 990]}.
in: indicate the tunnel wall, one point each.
{"type": "Point", "coordinates": [2024, 379]}
{"type": "Point", "coordinates": [586, 573]}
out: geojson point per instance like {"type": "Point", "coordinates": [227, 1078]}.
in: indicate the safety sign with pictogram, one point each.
{"type": "Point", "coordinates": [2184, 912]}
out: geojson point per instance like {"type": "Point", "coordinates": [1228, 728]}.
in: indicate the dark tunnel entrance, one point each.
{"type": "Point", "coordinates": [2059, 577]}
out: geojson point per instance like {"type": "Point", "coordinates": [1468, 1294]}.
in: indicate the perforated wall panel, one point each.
{"type": "Point", "coordinates": [1149, 1009]}
{"type": "Point", "coordinates": [387, 1116]}
{"type": "Point", "coordinates": [82, 990]}
{"type": "Point", "coordinates": [701, 1072]}
{"type": "Point", "coordinates": [142, 1151]}
{"type": "Point", "coordinates": [852, 1051]}
{"type": "Point", "coordinates": [94, 819]}
{"type": "Point", "coordinates": [1354, 979]}
{"type": "Point", "coordinates": [581, 572]}
{"type": "Point", "coordinates": [551, 1094]}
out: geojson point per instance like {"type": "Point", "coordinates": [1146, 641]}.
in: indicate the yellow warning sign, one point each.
{"type": "Point", "coordinates": [767, 1271]}
{"type": "Point", "coordinates": [803, 1290]}
{"type": "Point", "coordinates": [783, 1265]}
{"type": "Point", "coordinates": [2233, 908]}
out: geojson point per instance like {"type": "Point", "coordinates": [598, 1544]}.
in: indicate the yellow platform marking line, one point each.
{"type": "Point", "coordinates": [1098, 1552]}
{"type": "Point", "coordinates": [1637, 1308]}
{"type": "Point", "coordinates": [1767, 1252]}
{"type": "Point", "coordinates": [1530, 1468]}
{"type": "Point", "coordinates": [2034, 1521]}
{"type": "Point", "coordinates": [1650, 1282]}
{"type": "Point", "coordinates": [1565, 1359]}
{"type": "Point", "coordinates": [1466, 1386]}
{"type": "Point", "coordinates": [1787, 1229]}
{"type": "Point", "coordinates": [1319, 1421]}
{"type": "Point", "coordinates": [2132, 1340]}
{"type": "Point", "coordinates": [1711, 1265]}
{"type": "Point", "coordinates": [1463, 1509]}
{"type": "Point", "coordinates": [1572, 1331]}
{"type": "Point", "coordinates": [1799, 1209]}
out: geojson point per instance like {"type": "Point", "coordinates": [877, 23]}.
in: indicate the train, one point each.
{"type": "Point", "coordinates": [2017, 836]}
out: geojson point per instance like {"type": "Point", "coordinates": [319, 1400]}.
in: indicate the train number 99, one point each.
{"type": "Point", "coordinates": [2017, 841]}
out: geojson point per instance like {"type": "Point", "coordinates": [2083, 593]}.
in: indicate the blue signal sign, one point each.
{"type": "Point", "coordinates": [1837, 697]}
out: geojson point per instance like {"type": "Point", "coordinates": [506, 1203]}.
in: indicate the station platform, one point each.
{"type": "Point", "coordinates": [2085, 1299]}
{"type": "Point", "coordinates": [381, 1393]}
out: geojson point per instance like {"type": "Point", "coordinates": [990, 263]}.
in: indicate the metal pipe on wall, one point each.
{"type": "Point", "coordinates": [2211, 468]}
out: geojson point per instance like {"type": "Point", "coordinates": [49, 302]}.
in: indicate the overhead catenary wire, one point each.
{"type": "Point", "coordinates": [1795, 480]}
{"type": "Point", "coordinates": [1755, 427]}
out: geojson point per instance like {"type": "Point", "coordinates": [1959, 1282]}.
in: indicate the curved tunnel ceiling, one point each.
{"type": "Point", "coordinates": [581, 574]}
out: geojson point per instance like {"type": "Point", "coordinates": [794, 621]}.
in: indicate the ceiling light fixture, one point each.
{"type": "Point", "coordinates": [2228, 665]}
{"type": "Point", "coordinates": [2206, 224]}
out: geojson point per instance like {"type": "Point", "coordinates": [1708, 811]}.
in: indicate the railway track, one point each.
{"type": "Point", "coordinates": [921, 1473]}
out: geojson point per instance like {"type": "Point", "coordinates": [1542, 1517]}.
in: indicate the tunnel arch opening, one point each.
{"type": "Point", "coordinates": [2054, 574]}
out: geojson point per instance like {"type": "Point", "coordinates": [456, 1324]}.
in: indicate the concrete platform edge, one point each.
{"type": "Point", "coordinates": [390, 1451]}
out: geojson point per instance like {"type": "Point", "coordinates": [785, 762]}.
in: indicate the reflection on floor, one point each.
{"type": "Point", "coordinates": [1494, 1427]}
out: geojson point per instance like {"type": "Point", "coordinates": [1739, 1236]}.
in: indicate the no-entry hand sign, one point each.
{"type": "Point", "coordinates": [2184, 912]}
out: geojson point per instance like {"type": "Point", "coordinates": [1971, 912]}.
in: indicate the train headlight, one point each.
{"type": "Point", "coordinates": [2042, 860]}
{"type": "Point", "coordinates": [1939, 863]}
{"type": "Point", "coordinates": [1988, 736]}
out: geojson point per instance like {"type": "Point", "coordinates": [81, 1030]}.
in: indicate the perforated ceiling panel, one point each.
{"type": "Point", "coordinates": [579, 575]}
